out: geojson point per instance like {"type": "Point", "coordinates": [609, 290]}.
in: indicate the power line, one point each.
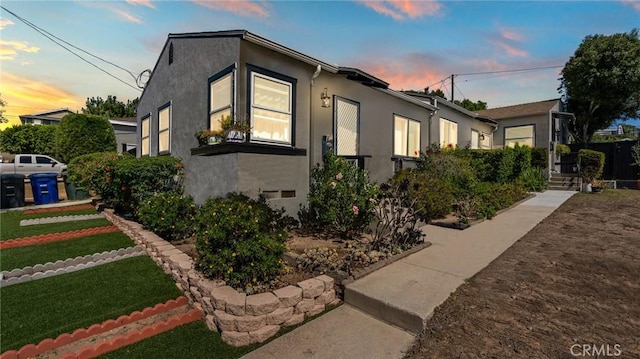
{"type": "Point", "coordinates": [505, 71]}
{"type": "Point", "coordinates": [51, 37]}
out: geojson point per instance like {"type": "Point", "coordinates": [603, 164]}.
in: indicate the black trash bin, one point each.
{"type": "Point", "coordinates": [12, 188]}
{"type": "Point", "coordinates": [45, 187]}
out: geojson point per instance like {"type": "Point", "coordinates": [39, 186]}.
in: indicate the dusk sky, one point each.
{"type": "Point", "coordinates": [410, 44]}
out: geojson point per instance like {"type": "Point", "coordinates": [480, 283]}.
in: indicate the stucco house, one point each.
{"type": "Point", "coordinates": [535, 124]}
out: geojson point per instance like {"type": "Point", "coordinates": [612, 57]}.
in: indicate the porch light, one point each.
{"type": "Point", "coordinates": [482, 137]}
{"type": "Point", "coordinates": [326, 99]}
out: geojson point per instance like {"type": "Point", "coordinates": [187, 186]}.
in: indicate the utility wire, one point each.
{"type": "Point", "coordinates": [509, 72]}
{"type": "Point", "coordinates": [51, 37]}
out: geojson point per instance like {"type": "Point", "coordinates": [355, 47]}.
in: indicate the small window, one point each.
{"type": "Point", "coordinates": [25, 159]}
{"type": "Point", "coordinates": [144, 134]}
{"type": "Point", "coordinates": [271, 109]}
{"type": "Point", "coordinates": [170, 53]}
{"type": "Point", "coordinates": [164, 129]}
{"type": "Point", "coordinates": [220, 99]}
{"type": "Point", "coordinates": [475, 140]}
{"type": "Point", "coordinates": [43, 160]}
{"type": "Point", "coordinates": [347, 117]}
{"type": "Point", "coordinates": [448, 133]}
{"type": "Point", "coordinates": [485, 141]}
{"type": "Point", "coordinates": [406, 141]}
{"type": "Point", "coordinates": [522, 135]}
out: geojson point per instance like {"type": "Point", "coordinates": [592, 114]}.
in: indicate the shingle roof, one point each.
{"type": "Point", "coordinates": [525, 109]}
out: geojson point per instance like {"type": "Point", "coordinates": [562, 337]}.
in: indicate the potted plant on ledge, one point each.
{"type": "Point", "coordinates": [208, 137]}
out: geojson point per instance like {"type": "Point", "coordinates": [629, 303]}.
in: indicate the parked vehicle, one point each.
{"type": "Point", "coordinates": [27, 164]}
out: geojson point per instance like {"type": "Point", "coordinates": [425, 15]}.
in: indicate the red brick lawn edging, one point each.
{"type": "Point", "coordinates": [32, 350]}
{"type": "Point", "coordinates": [54, 237]}
{"type": "Point", "coordinates": [134, 337]}
{"type": "Point", "coordinates": [59, 209]}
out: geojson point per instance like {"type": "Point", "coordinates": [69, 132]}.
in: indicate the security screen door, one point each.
{"type": "Point", "coordinates": [347, 121]}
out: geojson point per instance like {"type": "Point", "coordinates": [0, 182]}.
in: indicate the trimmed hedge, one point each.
{"type": "Point", "coordinates": [88, 171]}
{"type": "Point", "coordinates": [82, 134]}
{"type": "Point", "coordinates": [591, 164]}
{"type": "Point", "coordinates": [539, 157]}
{"type": "Point", "coordinates": [29, 139]}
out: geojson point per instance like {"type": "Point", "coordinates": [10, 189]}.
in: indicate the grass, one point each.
{"type": "Point", "coordinates": [21, 257]}
{"type": "Point", "coordinates": [193, 340]}
{"type": "Point", "coordinates": [46, 308]}
{"type": "Point", "coordinates": [10, 224]}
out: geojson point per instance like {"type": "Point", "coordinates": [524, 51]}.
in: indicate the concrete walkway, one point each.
{"type": "Point", "coordinates": [384, 310]}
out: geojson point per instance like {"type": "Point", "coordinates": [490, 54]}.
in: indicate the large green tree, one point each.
{"type": "Point", "coordinates": [601, 82]}
{"type": "Point", "coordinates": [80, 134]}
{"type": "Point", "coordinates": [28, 139]}
{"type": "Point", "coordinates": [466, 103]}
{"type": "Point", "coordinates": [3, 103]}
{"type": "Point", "coordinates": [111, 107]}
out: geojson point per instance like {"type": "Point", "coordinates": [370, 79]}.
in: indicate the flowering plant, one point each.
{"type": "Point", "coordinates": [341, 198]}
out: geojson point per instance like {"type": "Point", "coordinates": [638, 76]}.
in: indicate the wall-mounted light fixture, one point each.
{"type": "Point", "coordinates": [326, 99]}
{"type": "Point", "coordinates": [482, 137]}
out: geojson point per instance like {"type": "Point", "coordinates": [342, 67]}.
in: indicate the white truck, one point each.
{"type": "Point", "coordinates": [27, 164]}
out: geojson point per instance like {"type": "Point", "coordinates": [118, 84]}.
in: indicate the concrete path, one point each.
{"type": "Point", "coordinates": [406, 292]}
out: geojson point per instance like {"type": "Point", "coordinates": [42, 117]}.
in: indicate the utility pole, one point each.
{"type": "Point", "coordinates": [452, 86]}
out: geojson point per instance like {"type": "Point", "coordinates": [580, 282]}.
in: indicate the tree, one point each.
{"type": "Point", "coordinates": [28, 139]}
{"type": "Point", "coordinates": [470, 105]}
{"type": "Point", "coordinates": [80, 134]}
{"type": "Point", "coordinates": [110, 107]}
{"type": "Point", "coordinates": [601, 82]}
{"type": "Point", "coordinates": [3, 103]}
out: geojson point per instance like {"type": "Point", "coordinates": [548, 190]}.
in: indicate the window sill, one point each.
{"type": "Point", "coordinates": [405, 158]}
{"type": "Point", "coordinates": [244, 147]}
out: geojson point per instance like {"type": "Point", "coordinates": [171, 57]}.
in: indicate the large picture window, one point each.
{"type": "Point", "coordinates": [406, 141]}
{"type": "Point", "coordinates": [522, 135]}
{"type": "Point", "coordinates": [144, 134]}
{"type": "Point", "coordinates": [448, 133]}
{"type": "Point", "coordinates": [271, 109]}
{"type": "Point", "coordinates": [220, 99]}
{"type": "Point", "coordinates": [164, 129]}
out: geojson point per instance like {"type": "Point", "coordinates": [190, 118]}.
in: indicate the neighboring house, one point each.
{"type": "Point", "coordinates": [124, 127]}
{"type": "Point", "coordinates": [456, 126]}
{"type": "Point", "coordinates": [535, 124]}
{"type": "Point", "coordinates": [51, 117]}
{"type": "Point", "coordinates": [298, 108]}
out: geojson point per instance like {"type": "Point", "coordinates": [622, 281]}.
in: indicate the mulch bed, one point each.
{"type": "Point", "coordinates": [53, 237]}
{"type": "Point", "coordinates": [59, 209]}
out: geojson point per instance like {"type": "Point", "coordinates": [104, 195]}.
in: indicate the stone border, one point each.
{"type": "Point", "coordinates": [241, 319]}
{"type": "Point", "coordinates": [32, 350]}
{"type": "Point", "coordinates": [59, 219]}
{"type": "Point", "coordinates": [75, 264]}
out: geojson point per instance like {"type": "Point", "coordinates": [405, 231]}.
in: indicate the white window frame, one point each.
{"type": "Point", "coordinates": [487, 143]}
{"type": "Point", "coordinates": [145, 148]}
{"type": "Point", "coordinates": [162, 130]}
{"type": "Point", "coordinates": [475, 135]}
{"type": "Point", "coordinates": [214, 123]}
{"type": "Point", "coordinates": [403, 137]}
{"type": "Point", "coordinates": [253, 107]}
{"type": "Point", "coordinates": [511, 141]}
{"type": "Point", "coordinates": [448, 133]}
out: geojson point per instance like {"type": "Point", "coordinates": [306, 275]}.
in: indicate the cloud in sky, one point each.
{"type": "Point", "coordinates": [9, 49]}
{"type": "Point", "coordinates": [403, 9]}
{"type": "Point", "coordinates": [25, 95]}
{"type": "Point", "coordinates": [127, 16]}
{"type": "Point", "coordinates": [146, 3]}
{"type": "Point", "coordinates": [256, 9]}
{"type": "Point", "coordinates": [4, 23]}
{"type": "Point", "coordinates": [412, 71]}
{"type": "Point", "coordinates": [633, 3]}
{"type": "Point", "coordinates": [509, 41]}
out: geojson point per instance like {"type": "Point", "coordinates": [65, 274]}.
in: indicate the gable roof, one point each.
{"type": "Point", "coordinates": [54, 115]}
{"type": "Point", "coordinates": [437, 101]}
{"type": "Point", "coordinates": [525, 109]}
{"type": "Point", "coordinates": [124, 121]}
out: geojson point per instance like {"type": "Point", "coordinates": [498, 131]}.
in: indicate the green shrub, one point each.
{"type": "Point", "coordinates": [539, 157]}
{"type": "Point", "coordinates": [88, 171]}
{"type": "Point", "coordinates": [562, 149]}
{"type": "Point", "coordinates": [635, 153]}
{"type": "Point", "coordinates": [82, 134]}
{"type": "Point", "coordinates": [129, 181]}
{"type": "Point", "coordinates": [29, 139]}
{"type": "Point", "coordinates": [591, 164]}
{"type": "Point", "coordinates": [521, 161]}
{"type": "Point", "coordinates": [240, 240]}
{"type": "Point", "coordinates": [341, 198]}
{"type": "Point", "coordinates": [169, 215]}
{"type": "Point", "coordinates": [433, 196]}
{"type": "Point", "coordinates": [534, 179]}
{"type": "Point", "coordinates": [452, 166]}
{"type": "Point", "coordinates": [492, 197]}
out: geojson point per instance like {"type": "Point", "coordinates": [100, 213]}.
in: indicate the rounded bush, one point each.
{"type": "Point", "coordinates": [240, 240]}
{"type": "Point", "coordinates": [433, 196]}
{"type": "Point", "coordinates": [88, 171]}
{"type": "Point", "coordinates": [169, 215]}
{"type": "Point", "coordinates": [82, 134]}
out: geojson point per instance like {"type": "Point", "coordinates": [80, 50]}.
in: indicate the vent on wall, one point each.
{"type": "Point", "coordinates": [170, 53]}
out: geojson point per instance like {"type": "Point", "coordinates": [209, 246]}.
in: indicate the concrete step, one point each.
{"type": "Point", "coordinates": [562, 188]}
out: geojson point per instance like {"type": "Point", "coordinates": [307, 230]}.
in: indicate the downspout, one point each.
{"type": "Point", "coordinates": [310, 151]}
{"type": "Point", "coordinates": [435, 104]}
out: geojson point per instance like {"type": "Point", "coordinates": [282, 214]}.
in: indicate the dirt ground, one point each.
{"type": "Point", "coordinates": [569, 288]}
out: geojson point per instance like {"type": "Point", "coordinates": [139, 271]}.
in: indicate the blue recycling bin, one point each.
{"type": "Point", "coordinates": [44, 187]}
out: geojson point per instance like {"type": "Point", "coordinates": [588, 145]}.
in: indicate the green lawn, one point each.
{"type": "Point", "coordinates": [46, 308]}
{"type": "Point", "coordinates": [10, 224]}
{"type": "Point", "coordinates": [192, 340]}
{"type": "Point", "coordinates": [21, 257]}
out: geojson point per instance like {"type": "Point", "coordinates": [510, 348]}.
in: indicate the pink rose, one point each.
{"type": "Point", "coordinates": [356, 210]}
{"type": "Point", "coordinates": [339, 176]}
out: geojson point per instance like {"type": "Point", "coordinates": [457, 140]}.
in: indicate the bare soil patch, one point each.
{"type": "Point", "coordinates": [572, 281]}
